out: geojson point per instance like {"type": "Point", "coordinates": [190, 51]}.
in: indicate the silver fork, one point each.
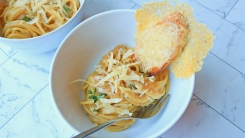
{"type": "Point", "coordinates": [144, 113]}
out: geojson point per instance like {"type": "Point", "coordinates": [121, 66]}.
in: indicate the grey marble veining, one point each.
{"type": "Point", "coordinates": [220, 7]}
{"type": "Point", "coordinates": [7, 50]}
{"type": "Point", "coordinates": [228, 44]}
{"type": "Point", "coordinates": [215, 110]}
{"type": "Point", "coordinates": [3, 57]}
{"type": "Point", "coordinates": [22, 77]}
{"type": "Point", "coordinates": [223, 88]}
{"type": "Point", "coordinates": [235, 14]}
{"type": "Point", "coordinates": [107, 5]}
{"type": "Point", "coordinates": [201, 120]}
{"type": "Point", "coordinates": [38, 119]}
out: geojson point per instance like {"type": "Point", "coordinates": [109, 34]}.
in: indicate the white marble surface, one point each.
{"type": "Point", "coordinates": [216, 108]}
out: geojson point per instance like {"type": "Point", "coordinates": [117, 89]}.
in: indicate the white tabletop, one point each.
{"type": "Point", "coordinates": [217, 107]}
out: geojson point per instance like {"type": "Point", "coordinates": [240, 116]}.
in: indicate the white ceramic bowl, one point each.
{"type": "Point", "coordinates": [77, 57]}
{"type": "Point", "coordinates": [48, 41]}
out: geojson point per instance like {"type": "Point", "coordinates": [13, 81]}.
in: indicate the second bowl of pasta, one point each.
{"type": "Point", "coordinates": [97, 58]}
{"type": "Point", "coordinates": [38, 26]}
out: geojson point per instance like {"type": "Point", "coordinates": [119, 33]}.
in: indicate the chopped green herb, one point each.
{"type": "Point", "coordinates": [131, 86]}
{"type": "Point", "coordinates": [90, 91]}
{"type": "Point", "coordinates": [67, 9]}
{"type": "Point", "coordinates": [101, 95]}
{"type": "Point", "coordinates": [94, 95]}
{"type": "Point", "coordinates": [26, 18]}
{"type": "Point", "coordinates": [95, 99]}
{"type": "Point", "coordinates": [91, 97]}
{"type": "Point", "coordinates": [96, 110]}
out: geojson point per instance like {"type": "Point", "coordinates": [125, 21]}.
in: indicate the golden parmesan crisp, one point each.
{"type": "Point", "coordinates": [167, 33]}
{"type": "Point", "coordinates": [191, 59]}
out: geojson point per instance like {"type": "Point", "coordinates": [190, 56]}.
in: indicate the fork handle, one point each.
{"type": "Point", "coordinates": [94, 129]}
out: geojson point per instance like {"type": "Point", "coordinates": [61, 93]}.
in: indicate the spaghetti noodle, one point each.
{"type": "Point", "coordinates": [117, 88]}
{"type": "Point", "coordinates": [30, 18]}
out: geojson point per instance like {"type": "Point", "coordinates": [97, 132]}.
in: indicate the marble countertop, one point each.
{"type": "Point", "coordinates": [216, 108]}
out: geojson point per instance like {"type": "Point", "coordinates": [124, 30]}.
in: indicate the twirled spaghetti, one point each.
{"type": "Point", "coordinates": [31, 18]}
{"type": "Point", "coordinates": [117, 88]}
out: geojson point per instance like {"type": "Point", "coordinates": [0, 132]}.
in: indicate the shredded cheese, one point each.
{"type": "Point", "coordinates": [127, 54]}
{"type": "Point", "coordinates": [143, 92]}
{"type": "Point", "coordinates": [110, 75]}
{"type": "Point", "coordinates": [112, 100]}
{"type": "Point", "coordinates": [110, 109]}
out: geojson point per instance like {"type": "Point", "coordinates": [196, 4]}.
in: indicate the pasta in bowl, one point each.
{"type": "Point", "coordinates": [30, 25]}
{"type": "Point", "coordinates": [77, 57]}
{"type": "Point", "coordinates": [117, 88]}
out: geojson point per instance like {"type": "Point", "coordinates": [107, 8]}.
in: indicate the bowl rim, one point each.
{"type": "Point", "coordinates": [49, 33]}
{"type": "Point", "coordinates": [160, 130]}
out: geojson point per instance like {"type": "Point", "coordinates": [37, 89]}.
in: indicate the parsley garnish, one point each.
{"type": "Point", "coordinates": [131, 86]}
{"type": "Point", "coordinates": [96, 110]}
{"type": "Point", "coordinates": [94, 95]}
{"type": "Point", "coordinates": [26, 18]}
{"type": "Point", "coordinates": [67, 9]}
{"type": "Point", "coordinates": [90, 91]}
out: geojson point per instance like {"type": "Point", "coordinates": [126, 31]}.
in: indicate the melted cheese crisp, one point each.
{"type": "Point", "coordinates": [169, 34]}
{"type": "Point", "coordinates": [191, 59]}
